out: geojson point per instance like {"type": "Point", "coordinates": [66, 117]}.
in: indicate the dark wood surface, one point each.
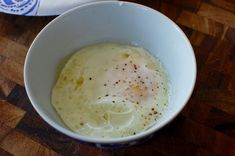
{"type": "Point", "coordinates": [205, 127]}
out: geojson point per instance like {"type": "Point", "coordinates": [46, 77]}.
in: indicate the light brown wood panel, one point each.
{"type": "Point", "coordinates": [12, 71]}
{"type": "Point", "coordinates": [10, 115]}
{"type": "Point", "coordinates": [20, 145]}
{"type": "Point", "coordinates": [217, 14]}
{"type": "Point", "coordinates": [6, 85]}
{"type": "Point", "coordinates": [12, 50]}
{"type": "Point", "coordinates": [201, 24]}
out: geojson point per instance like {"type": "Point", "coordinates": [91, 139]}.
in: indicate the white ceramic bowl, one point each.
{"type": "Point", "coordinates": [114, 22]}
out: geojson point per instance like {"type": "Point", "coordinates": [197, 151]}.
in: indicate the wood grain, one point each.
{"type": "Point", "coordinates": [4, 131]}
{"type": "Point", "coordinates": [170, 11]}
{"type": "Point", "coordinates": [10, 115]}
{"type": "Point", "coordinates": [18, 144]}
{"type": "Point", "coordinates": [192, 5]}
{"type": "Point", "coordinates": [225, 4]}
{"type": "Point", "coordinates": [12, 71]}
{"type": "Point", "coordinates": [201, 24]}
{"type": "Point", "coordinates": [4, 153]}
{"type": "Point", "coordinates": [217, 14]}
{"type": "Point", "coordinates": [12, 50]}
{"type": "Point", "coordinates": [6, 85]}
{"type": "Point", "coordinates": [230, 35]}
{"type": "Point", "coordinates": [207, 138]}
{"type": "Point", "coordinates": [206, 126]}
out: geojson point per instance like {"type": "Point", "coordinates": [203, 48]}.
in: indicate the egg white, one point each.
{"type": "Point", "coordinates": [111, 90]}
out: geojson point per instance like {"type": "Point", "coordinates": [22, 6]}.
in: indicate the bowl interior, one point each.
{"type": "Point", "coordinates": [114, 22]}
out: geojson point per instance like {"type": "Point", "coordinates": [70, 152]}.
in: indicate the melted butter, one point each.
{"type": "Point", "coordinates": [110, 90]}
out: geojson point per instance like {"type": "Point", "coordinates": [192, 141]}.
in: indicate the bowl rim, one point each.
{"type": "Point", "coordinates": [105, 140]}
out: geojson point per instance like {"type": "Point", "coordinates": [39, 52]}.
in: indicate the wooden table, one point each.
{"type": "Point", "coordinates": [205, 127]}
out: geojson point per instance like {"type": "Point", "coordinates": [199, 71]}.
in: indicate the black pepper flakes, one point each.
{"type": "Point", "coordinates": [135, 66]}
{"type": "Point", "coordinates": [90, 78]}
{"type": "Point", "coordinates": [113, 101]}
{"type": "Point", "coordinates": [81, 123]}
{"type": "Point", "coordinates": [105, 84]}
{"type": "Point", "coordinates": [107, 95]}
